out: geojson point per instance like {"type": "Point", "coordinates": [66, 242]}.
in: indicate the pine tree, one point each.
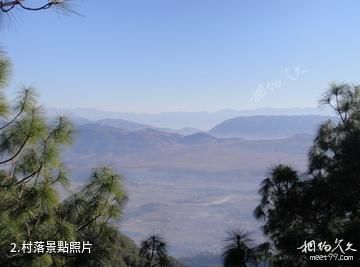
{"type": "Point", "coordinates": [30, 173]}
{"type": "Point", "coordinates": [322, 204]}
{"type": "Point", "coordinates": [154, 251]}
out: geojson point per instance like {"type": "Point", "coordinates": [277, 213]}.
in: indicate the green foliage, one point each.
{"type": "Point", "coordinates": [30, 206]}
{"type": "Point", "coordinates": [4, 76]}
{"type": "Point", "coordinates": [322, 204]}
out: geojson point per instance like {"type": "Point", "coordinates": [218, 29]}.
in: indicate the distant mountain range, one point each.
{"type": "Point", "coordinates": [247, 127]}
{"type": "Point", "coordinates": [97, 138]}
{"type": "Point", "coordinates": [268, 127]}
{"type": "Point", "coordinates": [180, 120]}
{"type": "Point", "coordinates": [123, 124]}
{"type": "Point", "coordinates": [131, 126]}
{"type": "Point", "coordinates": [153, 146]}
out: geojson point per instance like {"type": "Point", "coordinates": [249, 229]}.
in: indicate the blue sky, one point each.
{"type": "Point", "coordinates": [185, 55]}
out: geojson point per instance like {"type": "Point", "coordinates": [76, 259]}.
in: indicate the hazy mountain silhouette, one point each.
{"type": "Point", "coordinates": [183, 131]}
{"type": "Point", "coordinates": [122, 136]}
{"type": "Point", "coordinates": [177, 120]}
{"type": "Point", "coordinates": [199, 138]}
{"type": "Point", "coordinates": [123, 124]}
{"type": "Point", "coordinates": [267, 127]}
{"type": "Point", "coordinates": [96, 138]}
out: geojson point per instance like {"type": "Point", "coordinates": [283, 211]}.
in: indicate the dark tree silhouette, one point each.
{"type": "Point", "coordinates": [238, 251]}
{"type": "Point", "coordinates": [29, 5]}
{"type": "Point", "coordinates": [154, 250]}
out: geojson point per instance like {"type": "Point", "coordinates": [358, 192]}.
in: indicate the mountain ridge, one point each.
{"type": "Point", "coordinates": [202, 120]}
{"type": "Point", "coordinates": [268, 127]}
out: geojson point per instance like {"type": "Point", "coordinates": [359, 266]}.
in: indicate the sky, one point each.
{"type": "Point", "coordinates": [150, 56]}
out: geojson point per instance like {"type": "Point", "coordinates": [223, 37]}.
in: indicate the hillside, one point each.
{"type": "Point", "coordinates": [95, 138]}
{"type": "Point", "coordinates": [198, 139]}
{"type": "Point", "coordinates": [267, 127]}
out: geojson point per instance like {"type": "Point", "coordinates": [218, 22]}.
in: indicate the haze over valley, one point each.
{"type": "Point", "coordinates": [191, 185]}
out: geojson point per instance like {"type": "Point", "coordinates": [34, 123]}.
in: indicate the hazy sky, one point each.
{"type": "Point", "coordinates": [185, 55]}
